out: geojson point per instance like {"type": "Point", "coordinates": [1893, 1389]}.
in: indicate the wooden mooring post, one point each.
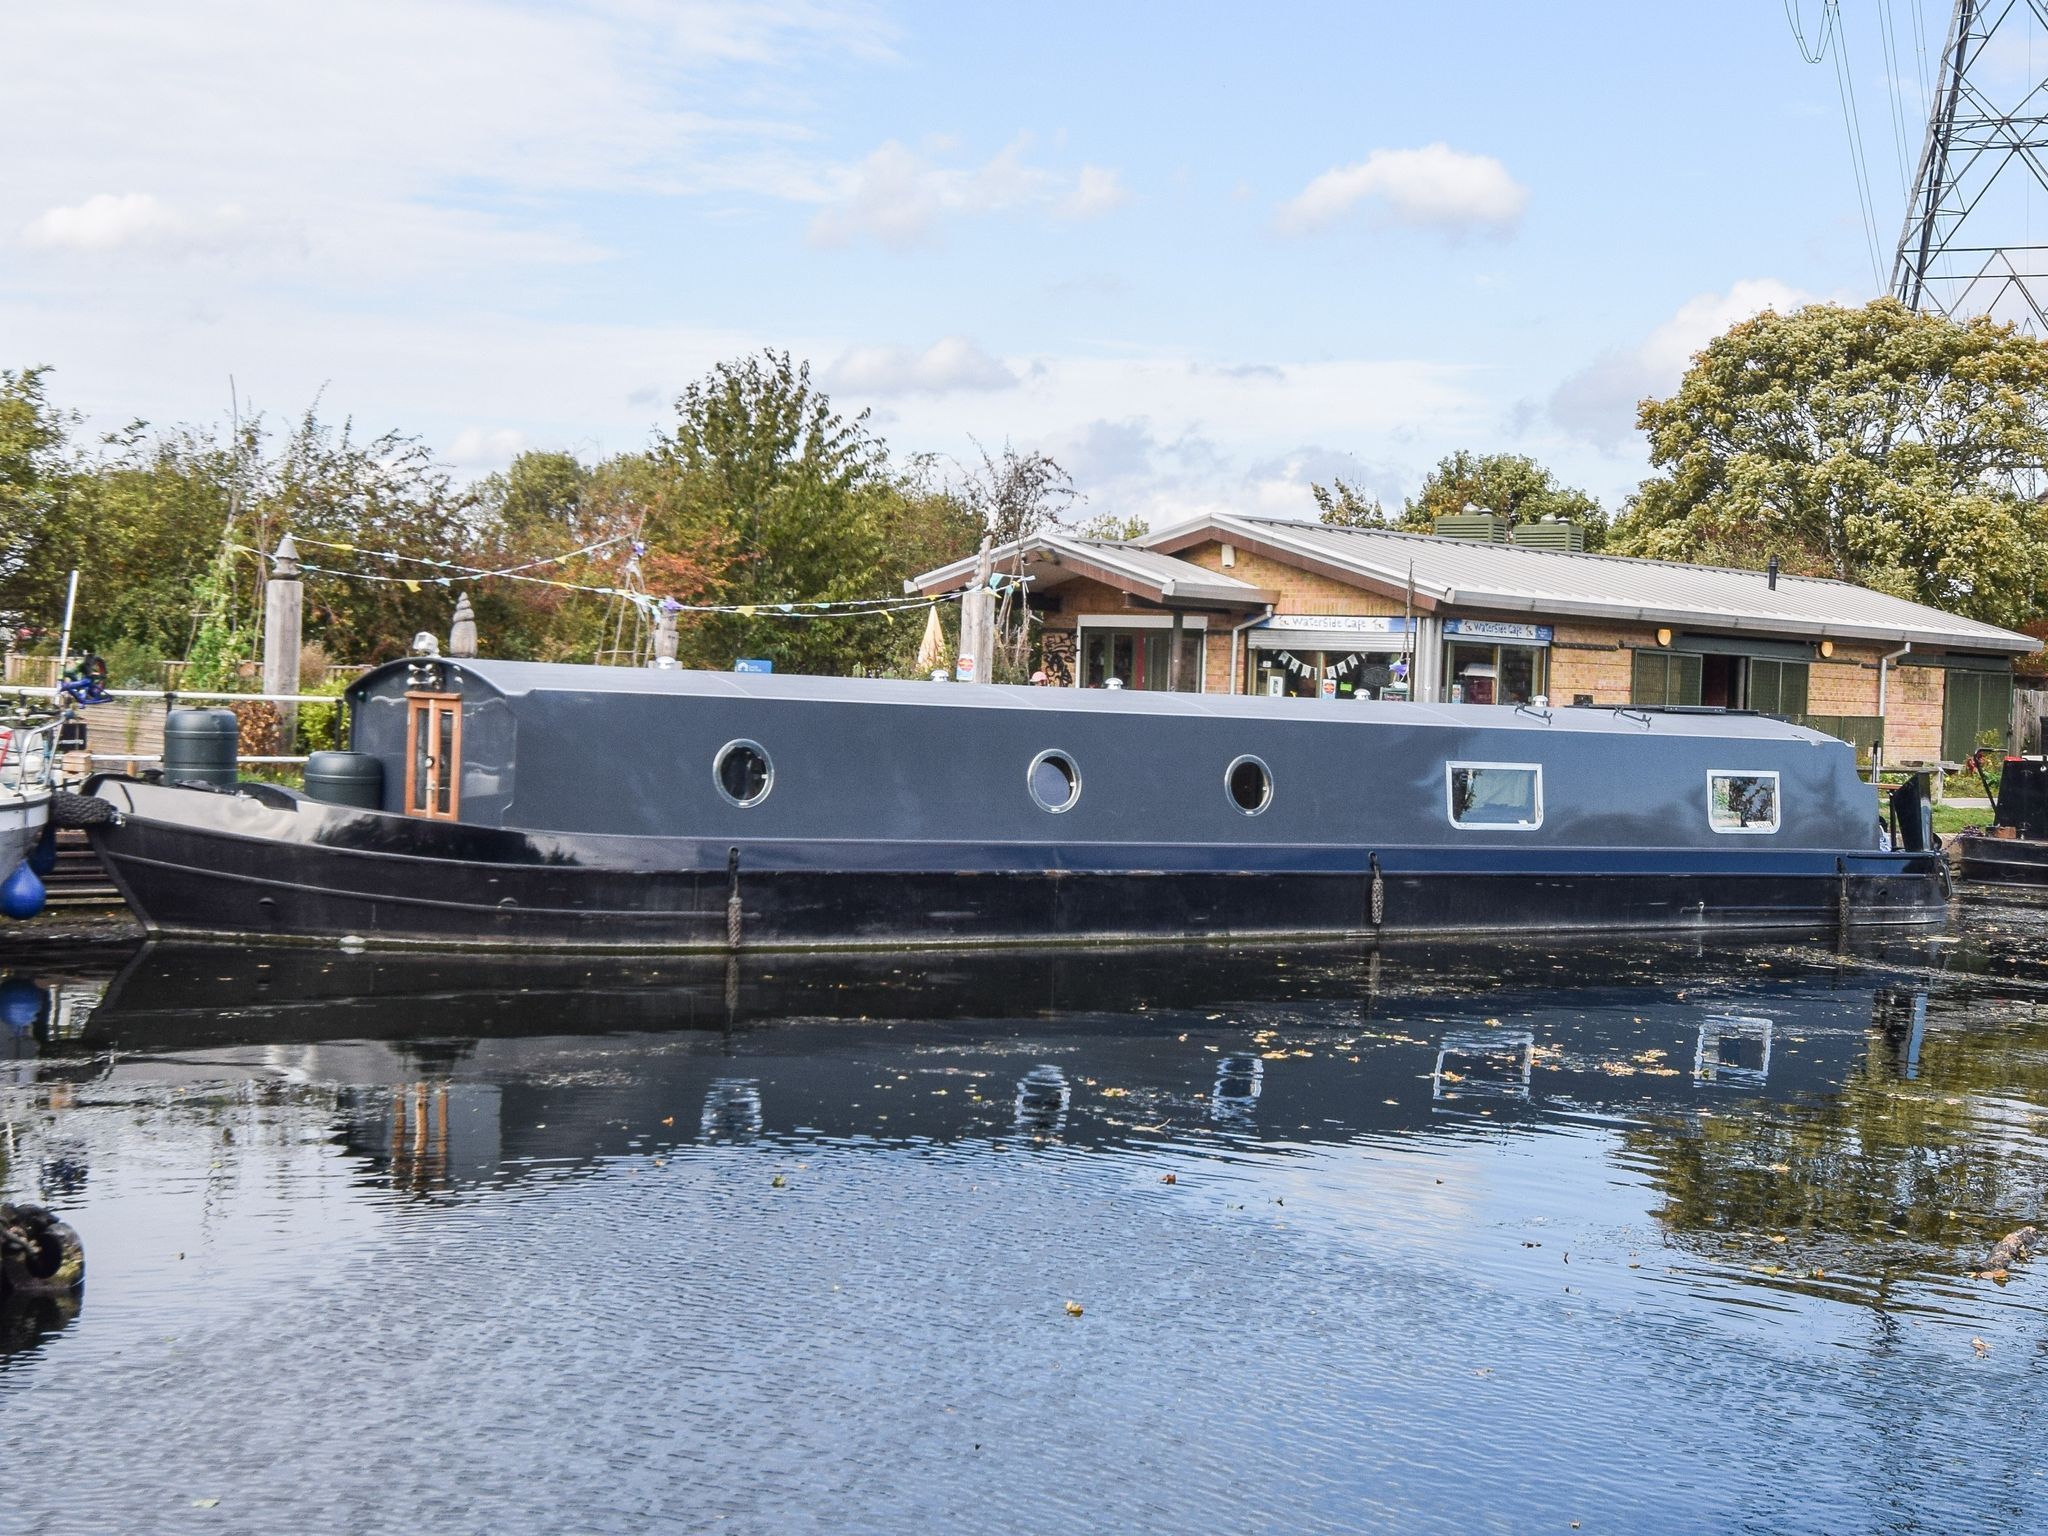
{"type": "Point", "coordinates": [284, 613]}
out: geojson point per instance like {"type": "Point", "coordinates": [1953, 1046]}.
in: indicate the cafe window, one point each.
{"type": "Point", "coordinates": [1302, 674]}
{"type": "Point", "coordinates": [1140, 658]}
{"type": "Point", "coordinates": [1742, 802]}
{"type": "Point", "coordinates": [1496, 674]}
{"type": "Point", "coordinates": [1495, 795]}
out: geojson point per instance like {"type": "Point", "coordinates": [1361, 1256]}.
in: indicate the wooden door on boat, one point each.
{"type": "Point", "coordinates": [433, 755]}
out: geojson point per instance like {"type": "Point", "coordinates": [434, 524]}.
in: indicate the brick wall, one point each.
{"type": "Point", "coordinates": [1297, 591]}
{"type": "Point", "coordinates": [1912, 715]}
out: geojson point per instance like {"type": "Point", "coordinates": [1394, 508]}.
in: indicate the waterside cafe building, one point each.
{"type": "Point", "coordinates": [1240, 604]}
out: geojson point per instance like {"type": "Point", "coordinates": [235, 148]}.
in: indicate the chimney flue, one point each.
{"type": "Point", "coordinates": [1772, 571]}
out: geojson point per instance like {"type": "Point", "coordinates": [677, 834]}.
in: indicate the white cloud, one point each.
{"type": "Point", "coordinates": [899, 197]}
{"type": "Point", "coordinates": [1434, 187]}
{"type": "Point", "coordinates": [947, 365]}
{"type": "Point", "coordinates": [1598, 403]}
{"type": "Point", "coordinates": [106, 222]}
{"type": "Point", "coordinates": [481, 449]}
{"type": "Point", "coordinates": [1097, 190]}
{"type": "Point", "coordinates": [387, 138]}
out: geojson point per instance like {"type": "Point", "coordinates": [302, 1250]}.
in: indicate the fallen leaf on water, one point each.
{"type": "Point", "coordinates": [777, 1182]}
{"type": "Point", "coordinates": [668, 1119]}
{"type": "Point", "coordinates": [205, 1503]}
{"type": "Point", "coordinates": [1778, 1237]}
{"type": "Point", "coordinates": [1169, 1178]}
{"type": "Point", "coordinates": [1073, 1309]}
{"type": "Point", "coordinates": [1981, 1347]}
{"type": "Point", "coordinates": [1116, 1093]}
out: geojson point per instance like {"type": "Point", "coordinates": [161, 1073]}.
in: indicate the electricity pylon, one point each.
{"type": "Point", "coordinates": [1967, 246]}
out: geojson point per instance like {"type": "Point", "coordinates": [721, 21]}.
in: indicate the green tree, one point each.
{"type": "Point", "coordinates": [35, 476]}
{"type": "Point", "coordinates": [1872, 444]}
{"type": "Point", "coordinates": [796, 493]}
{"type": "Point", "coordinates": [1344, 505]}
{"type": "Point", "coordinates": [1511, 484]}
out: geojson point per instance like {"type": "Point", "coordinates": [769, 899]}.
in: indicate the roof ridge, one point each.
{"type": "Point", "coordinates": [1568, 554]}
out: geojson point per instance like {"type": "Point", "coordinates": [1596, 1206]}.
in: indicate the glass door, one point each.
{"type": "Point", "coordinates": [433, 755]}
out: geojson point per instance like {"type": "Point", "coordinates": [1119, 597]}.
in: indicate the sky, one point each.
{"type": "Point", "coordinates": [1203, 254]}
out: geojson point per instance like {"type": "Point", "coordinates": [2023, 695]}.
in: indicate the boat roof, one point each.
{"type": "Point", "coordinates": [535, 680]}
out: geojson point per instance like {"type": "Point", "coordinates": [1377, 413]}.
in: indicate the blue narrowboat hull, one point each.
{"type": "Point", "coordinates": [271, 865]}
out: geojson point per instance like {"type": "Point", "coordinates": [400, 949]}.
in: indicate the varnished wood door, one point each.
{"type": "Point", "coordinates": [433, 755]}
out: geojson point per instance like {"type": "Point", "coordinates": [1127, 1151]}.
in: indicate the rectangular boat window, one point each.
{"type": "Point", "coordinates": [1503, 795]}
{"type": "Point", "coordinates": [1742, 802]}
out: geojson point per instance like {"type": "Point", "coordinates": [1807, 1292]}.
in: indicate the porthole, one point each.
{"type": "Point", "coordinates": [1250, 784]}
{"type": "Point", "coordinates": [743, 773]}
{"type": "Point", "coordinates": [1054, 781]}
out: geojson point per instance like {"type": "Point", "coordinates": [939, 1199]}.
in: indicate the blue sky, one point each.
{"type": "Point", "coordinates": [1202, 253]}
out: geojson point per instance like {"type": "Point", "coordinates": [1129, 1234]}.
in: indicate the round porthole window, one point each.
{"type": "Point", "coordinates": [1250, 783]}
{"type": "Point", "coordinates": [1054, 780]}
{"type": "Point", "coordinates": [743, 773]}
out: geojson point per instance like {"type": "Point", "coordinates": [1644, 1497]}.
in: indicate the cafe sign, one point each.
{"type": "Point", "coordinates": [1494, 629]}
{"type": "Point", "coordinates": [1341, 623]}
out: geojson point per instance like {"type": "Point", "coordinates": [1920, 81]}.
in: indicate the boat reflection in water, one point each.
{"type": "Point", "coordinates": [454, 1070]}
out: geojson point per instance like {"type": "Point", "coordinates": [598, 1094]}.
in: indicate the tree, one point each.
{"type": "Point", "coordinates": [1873, 444]}
{"type": "Point", "coordinates": [1113, 526]}
{"type": "Point", "coordinates": [34, 490]}
{"type": "Point", "coordinates": [1511, 484]}
{"type": "Point", "coordinates": [1343, 505]}
{"type": "Point", "coordinates": [1016, 495]}
{"type": "Point", "coordinates": [795, 492]}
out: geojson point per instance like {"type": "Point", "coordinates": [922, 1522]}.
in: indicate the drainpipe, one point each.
{"type": "Point", "coordinates": [1237, 634]}
{"type": "Point", "coordinates": [1884, 725]}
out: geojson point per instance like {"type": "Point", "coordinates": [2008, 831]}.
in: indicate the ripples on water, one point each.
{"type": "Point", "coordinates": [1432, 1239]}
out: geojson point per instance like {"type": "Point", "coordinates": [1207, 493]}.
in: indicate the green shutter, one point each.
{"type": "Point", "coordinates": [1975, 706]}
{"type": "Point", "coordinates": [1648, 684]}
{"type": "Point", "coordinates": [1685, 679]}
{"type": "Point", "coordinates": [1777, 687]}
{"type": "Point", "coordinates": [1666, 677]}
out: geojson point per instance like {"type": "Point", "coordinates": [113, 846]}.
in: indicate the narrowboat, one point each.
{"type": "Point", "coordinates": [514, 803]}
{"type": "Point", "coordinates": [2013, 850]}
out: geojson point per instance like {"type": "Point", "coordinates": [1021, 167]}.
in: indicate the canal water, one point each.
{"type": "Point", "coordinates": [1437, 1239]}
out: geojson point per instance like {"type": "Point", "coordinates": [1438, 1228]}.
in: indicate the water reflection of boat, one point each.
{"type": "Point", "coordinates": [1318, 1045]}
{"type": "Point", "coordinates": [511, 803]}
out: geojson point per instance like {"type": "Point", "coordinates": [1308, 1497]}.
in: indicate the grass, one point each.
{"type": "Point", "coordinates": [1954, 818]}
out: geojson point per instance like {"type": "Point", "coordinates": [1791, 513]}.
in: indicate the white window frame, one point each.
{"type": "Point", "coordinates": [1193, 624]}
{"type": "Point", "coordinates": [1451, 800]}
{"type": "Point", "coordinates": [1777, 820]}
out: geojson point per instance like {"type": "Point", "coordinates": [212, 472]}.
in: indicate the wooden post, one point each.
{"type": "Point", "coordinates": [976, 661]}
{"type": "Point", "coordinates": [665, 633]}
{"type": "Point", "coordinates": [462, 628]}
{"type": "Point", "coordinates": [284, 612]}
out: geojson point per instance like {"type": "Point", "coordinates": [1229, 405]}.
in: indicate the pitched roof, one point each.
{"type": "Point", "coordinates": [1053, 557]}
{"type": "Point", "coordinates": [1514, 578]}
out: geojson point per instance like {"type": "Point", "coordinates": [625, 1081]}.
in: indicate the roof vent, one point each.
{"type": "Point", "coordinates": [1550, 533]}
{"type": "Point", "coordinates": [1485, 527]}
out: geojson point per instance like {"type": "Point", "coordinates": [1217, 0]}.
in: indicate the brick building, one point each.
{"type": "Point", "coordinates": [1268, 605]}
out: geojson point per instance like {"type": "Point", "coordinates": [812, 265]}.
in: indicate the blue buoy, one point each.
{"type": "Point", "coordinates": [21, 1004]}
{"type": "Point", "coordinates": [22, 895]}
{"type": "Point", "coordinates": [43, 857]}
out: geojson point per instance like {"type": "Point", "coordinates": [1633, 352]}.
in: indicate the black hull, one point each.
{"type": "Point", "coordinates": [231, 867]}
{"type": "Point", "coordinates": [2002, 860]}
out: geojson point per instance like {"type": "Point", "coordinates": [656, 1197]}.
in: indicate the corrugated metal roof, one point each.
{"type": "Point", "coordinates": [1509, 578]}
{"type": "Point", "coordinates": [1162, 575]}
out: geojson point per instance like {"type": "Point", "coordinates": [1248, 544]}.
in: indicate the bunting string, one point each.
{"type": "Point", "coordinates": [449, 573]}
